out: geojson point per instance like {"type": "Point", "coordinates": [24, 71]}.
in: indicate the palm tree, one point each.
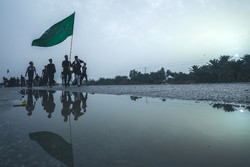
{"type": "Point", "coordinates": [214, 68]}
{"type": "Point", "coordinates": [246, 67]}
{"type": "Point", "coordinates": [236, 69]}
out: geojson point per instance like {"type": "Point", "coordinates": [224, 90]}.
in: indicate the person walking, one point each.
{"type": "Point", "coordinates": [66, 71]}
{"type": "Point", "coordinates": [84, 73]}
{"type": "Point", "coordinates": [77, 69]}
{"type": "Point", "coordinates": [51, 69]}
{"type": "Point", "coordinates": [31, 70]}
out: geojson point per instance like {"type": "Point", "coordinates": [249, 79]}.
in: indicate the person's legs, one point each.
{"type": "Point", "coordinates": [51, 79]}
{"type": "Point", "coordinates": [69, 78]}
{"type": "Point", "coordinates": [77, 77]}
{"type": "Point", "coordinates": [65, 78]}
{"type": "Point", "coordinates": [30, 80]}
{"type": "Point", "coordinates": [86, 77]}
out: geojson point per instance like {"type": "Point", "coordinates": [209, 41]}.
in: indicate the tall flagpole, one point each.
{"type": "Point", "coordinates": [72, 40]}
{"type": "Point", "coordinates": [70, 74]}
{"type": "Point", "coordinates": [71, 47]}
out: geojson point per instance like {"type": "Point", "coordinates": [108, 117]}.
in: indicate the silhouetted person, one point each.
{"type": "Point", "coordinates": [84, 101]}
{"type": "Point", "coordinates": [50, 104]}
{"type": "Point", "coordinates": [77, 69]}
{"type": "Point", "coordinates": [51, 69]}
{"type": "Point", "coordinates": [76, 108]}
{"type": "Point", "coordinates": [66, 71]}
{"type": "Point", "coordinates": [41, 82]}
{"type": "Point", "coordinates": [22, 80]}
{"type": "Point", "coordinates": [31, 70]}
{"type": "Point", "coordinates": [12, 82]}
{"type": "Point", "coordinates": [30, 106]}
{"type": "Point", "coordinates": [44, 101]}
{"type": "Point", "coordinates": [66, 101]}
{"type": "Point", "coordinates": [17, 81]}
{"type": "Point", "coordinates": [36, 80]}
{"type": "Point", "coordinates": [84, 74]}
{"type": "Point", "coordinates": [5, 82]}
{"type": "Point", "coordinates": [45, 76]}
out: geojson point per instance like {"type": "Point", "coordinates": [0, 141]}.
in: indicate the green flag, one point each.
{"type": "Point", "coordinates": [57, 33]}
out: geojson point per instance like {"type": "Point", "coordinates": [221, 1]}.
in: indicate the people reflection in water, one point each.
{"type": "Point", "coordinates": [76, 108]}
{"type": "Point", "coordinates": [30, 104]}
{"type": "Point", "coordinates": [36, 94]}
{"type": "Point", "coordinates": [44, 95]}
{"type": "Point", "coordinates": [84, 101]}
{"type": "Point", "coordinates": [50, 104]}
{"type": "Point", "coordinates": [66, 102]}
{"type": "Point", "coordinates": [76, 104]}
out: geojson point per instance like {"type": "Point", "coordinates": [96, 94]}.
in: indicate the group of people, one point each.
{"type": "Point", "coordinates": [48, 74]}
{"type": "Point", "coordinates": [79, 71]}
{"type": "Point", "coordinates": [49, 70]}
{"type": "Point", "coordinates": [13, 81]}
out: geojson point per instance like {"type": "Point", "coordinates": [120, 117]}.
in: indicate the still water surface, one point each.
{"type": "Point", "coordinates": [79, 129]}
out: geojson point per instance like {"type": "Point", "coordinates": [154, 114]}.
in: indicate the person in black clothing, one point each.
{"type": "Point", "coordinates": [51, 69]}
{"type": "Point", "coordinates": [36, 80]}
{"type": "Point", "coordinates": [31, 70]}
{"type": "Point", "coordinates": [84, 73]}
{"type": "Point", "coordinates": [5, 82]}
{"type": "Point", "coordinates": [77, 69]}
{"type": "Point", "coordinates": [66, 71]}
{"type": "Point", "coordinates": [22, 80]}
{"type": "Point", "coordinates": [17, 81]}
{"type": "Point", "coordinates": [45, 76]}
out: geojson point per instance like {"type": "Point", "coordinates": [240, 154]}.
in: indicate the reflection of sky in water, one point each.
{"type": "Point", "coordinates": [123, 131]}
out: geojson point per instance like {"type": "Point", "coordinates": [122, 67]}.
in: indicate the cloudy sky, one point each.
{"type": "Point", "coordinates": [116, 36]}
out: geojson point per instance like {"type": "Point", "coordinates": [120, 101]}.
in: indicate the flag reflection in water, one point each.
{"type": "Point", "coordinates": [55, 146]}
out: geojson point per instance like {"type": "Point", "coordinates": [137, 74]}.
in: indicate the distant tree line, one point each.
{"type": "Point", "coordinates": [224, 69]}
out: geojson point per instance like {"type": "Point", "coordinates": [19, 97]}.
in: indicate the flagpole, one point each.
{"type": "Point", "coordinates": [71, 47]}
{"type": "Point", "coordinates": [71, 40]}
{"type": "Point", "coordinates": [70, 74]}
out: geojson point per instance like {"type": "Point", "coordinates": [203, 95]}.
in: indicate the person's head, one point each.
{"type": "Point", "coordinates": [45, 66]}
{"type": "Point", "coordinates": [66, 57]}
{"type": "Point", "coordinates": [50, 60]}
{"type": "Point", "coordinates": [84, 64]}
{"type": "Point", "coordinates": [31, 63]}
{"type": "Point", "coordinates": [76, 57]}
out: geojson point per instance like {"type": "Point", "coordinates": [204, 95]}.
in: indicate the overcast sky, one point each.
{"type": "Point", "coordinates": [116, 36]}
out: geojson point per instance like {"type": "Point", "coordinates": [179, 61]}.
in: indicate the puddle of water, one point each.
{"type": "Point", "coordinates": [79, 129]}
